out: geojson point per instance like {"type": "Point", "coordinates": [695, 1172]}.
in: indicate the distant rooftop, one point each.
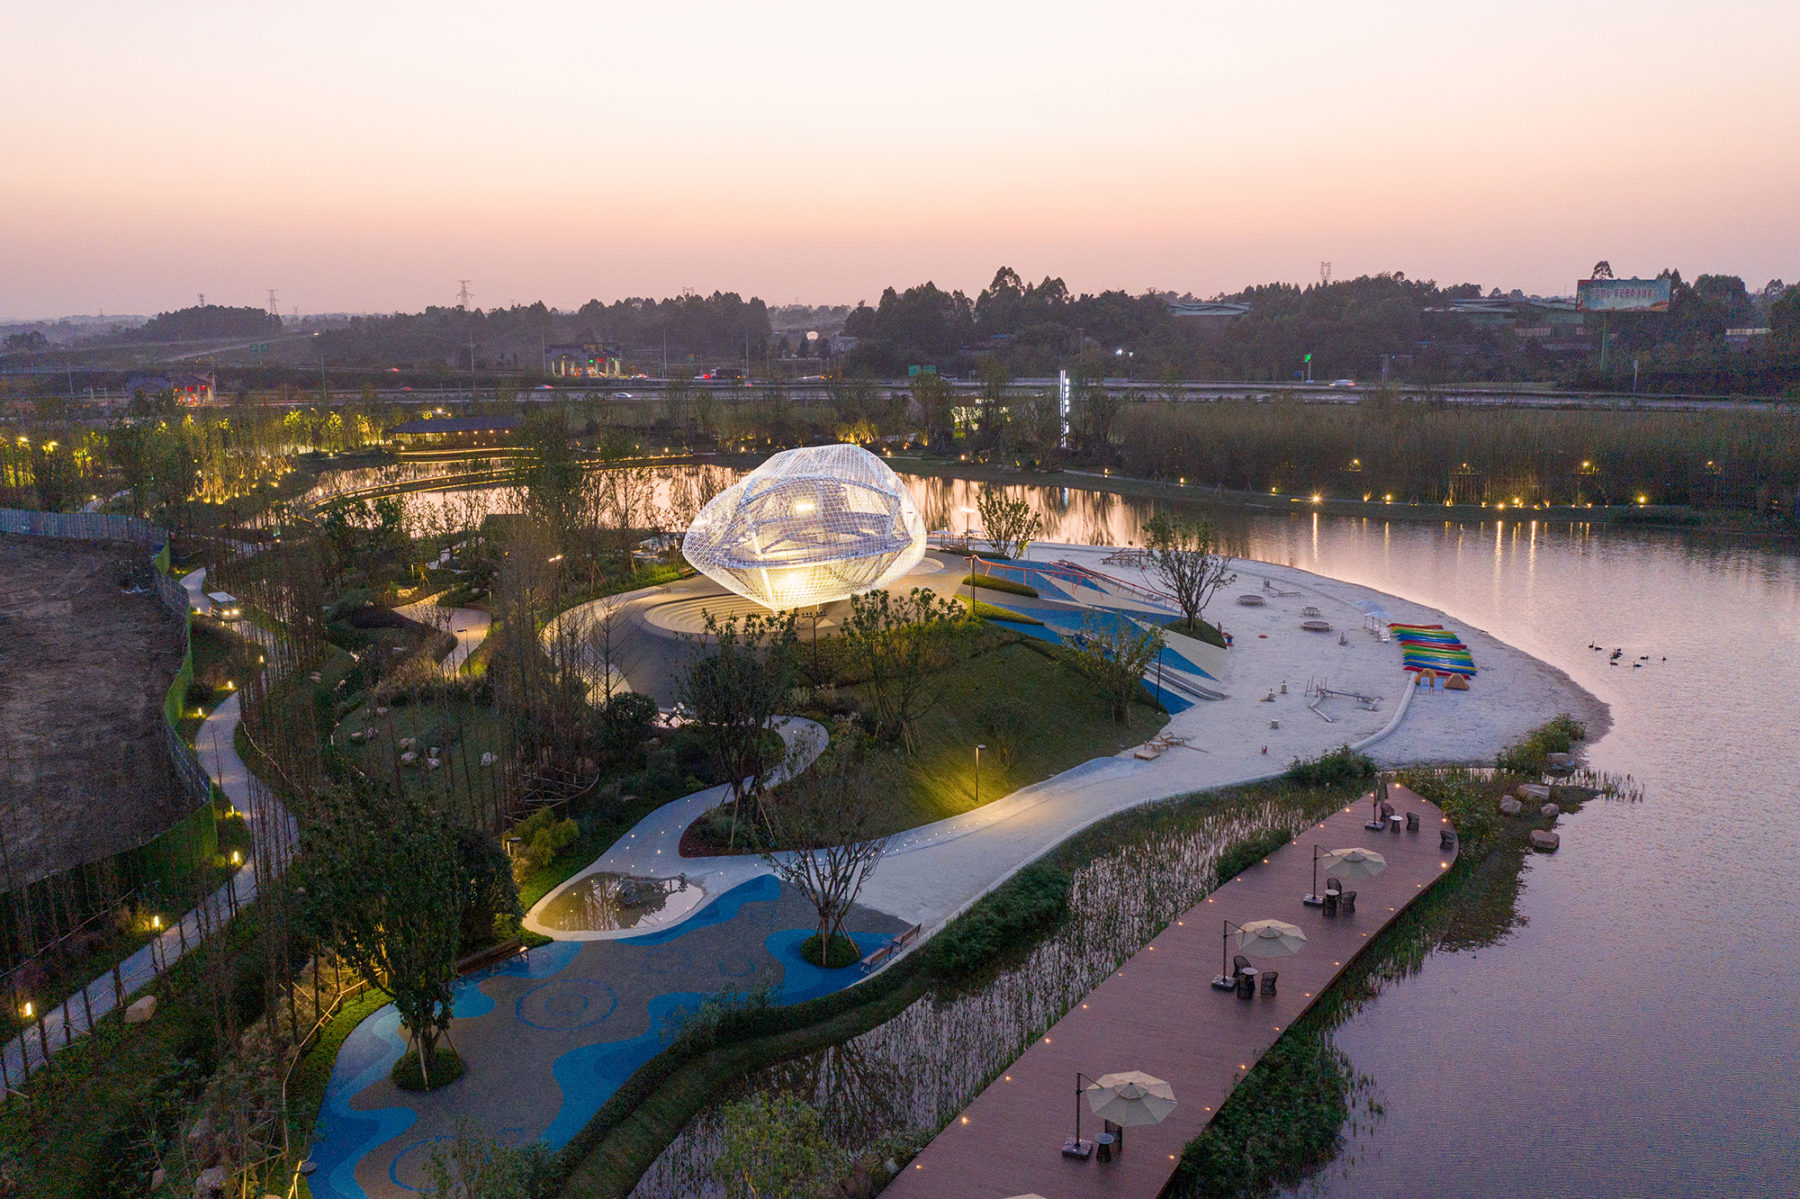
{"type": "Point", "coordinates": [1213, 308]}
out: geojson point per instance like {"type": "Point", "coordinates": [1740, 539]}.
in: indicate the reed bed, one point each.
{"type": "Point", "coordinates": [907, 1078]}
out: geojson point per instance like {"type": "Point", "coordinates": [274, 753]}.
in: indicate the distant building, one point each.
{"type": "Point", "coordinates": [1552, 323]}
{"type": "Point", "coordinates": [192, 389]}
{"type": "Point", "coordinates": [1742, 339]}
{"type": "Point", "coordinates": [456, 432]}
{"type": "Point", "coordinates": [588, 360]}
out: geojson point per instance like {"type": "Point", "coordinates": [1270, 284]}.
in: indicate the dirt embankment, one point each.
{"type": "Point", "coordinates": [84, 665]}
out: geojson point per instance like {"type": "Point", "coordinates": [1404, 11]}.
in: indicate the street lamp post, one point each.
{"type": "Point", "coordinates": [978, 750]}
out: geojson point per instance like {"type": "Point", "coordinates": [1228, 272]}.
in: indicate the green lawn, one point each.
{"type": "Point", "coordinates": [1036, 717]}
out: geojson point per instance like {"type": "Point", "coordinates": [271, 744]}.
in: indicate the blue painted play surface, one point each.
{"type": "Point", "coordinates": [1061, 624]}
{"type": "Point", "coordinates": [549, 1036]}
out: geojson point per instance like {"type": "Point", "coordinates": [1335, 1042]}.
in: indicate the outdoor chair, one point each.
{"type": "Point", "coordinates": [1246, 986]}
{"type": "Point", "coordinates": [1239, 964]}
{"type": "Point", "coordinates": [1347, 902]}
{"type": "Point", "coordinates": [1268, 981]}
{"type": "Point", "coordinates": [1333, 885]}
{"type": "Point", "coordinates": [1446, 839]}
{"type": "Point", "coordinates": [1412, 822]}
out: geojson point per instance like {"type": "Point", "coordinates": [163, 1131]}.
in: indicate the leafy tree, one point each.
{"type": "Point", "coordinates": [903, 643]}
{"type": "Point", "coordinates": [1188, 556]}
{"type": "Point", "coordinates": [828, 816]}
{"type": "Point", "coordinates": [736, 692]}
{"type": "Point", "coordinates": [1007, 524]}
{"type": "Point", "coordinates": [384, 883]}
{"type": "Point", "coordinates": [775, 1148]}
{"type": "Point", "coordinates": [551, 476]}
{"type": "Point", "coordinates": [1115, 654]}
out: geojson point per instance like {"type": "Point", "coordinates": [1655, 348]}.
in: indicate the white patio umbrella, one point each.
{"type": "Point", "coordinates": [1131, 1097]}
{"type": "Point", "coordinates": [1355, 862]}
{"type": "Point", "coordinates": [1269, 938]}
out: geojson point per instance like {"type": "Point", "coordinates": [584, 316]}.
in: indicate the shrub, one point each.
{"type": "Point", "coordinates": [1000, 583]}
{"type": "Point", "coordinates": [1033, 899]}
{"type": "Point", "coordinates": [542, 836]}
{"type": "Point", "coordinates": [1340, 767]}
{"type": "Point", "coordinates": [844, 952]}
{"type": "Point", "coordinates": [1239, 854]}
{"type": "Point", "coordinates": [1527, 755]}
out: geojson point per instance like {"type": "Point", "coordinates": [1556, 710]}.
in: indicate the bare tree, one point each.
{"type": "Point", "coordinates": [1007, 524]}
{"type": "Point", "coordinates": [825, 825]}
{"type": "Point", "coordinates": [1190, 558]}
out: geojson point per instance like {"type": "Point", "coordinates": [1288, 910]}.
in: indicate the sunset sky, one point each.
{"type": "Point", "coordinates": [366, 156]}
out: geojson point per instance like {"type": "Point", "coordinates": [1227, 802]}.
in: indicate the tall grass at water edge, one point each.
{"type": "Point", "coordinates": [1419, 453]}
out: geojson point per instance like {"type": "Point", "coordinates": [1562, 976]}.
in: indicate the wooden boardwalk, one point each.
{"type": "Point", "coordinates": [1158, 1014]}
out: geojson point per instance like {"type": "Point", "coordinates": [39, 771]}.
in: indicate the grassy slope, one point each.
{"type": "Point", "coordinates": [1068, 725]}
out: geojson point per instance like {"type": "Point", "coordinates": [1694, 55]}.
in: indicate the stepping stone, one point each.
{"type": "Point", "coordinates": [1550, 811]}
{"type": "Point", "coordinates": [1537, 791]}
{"type": "Point", "coordinates": [141, 1011]}
{"type": "Point", "coordinates": [1510, 806]}
{"type": "Point", "coordinates": [1544, 841]}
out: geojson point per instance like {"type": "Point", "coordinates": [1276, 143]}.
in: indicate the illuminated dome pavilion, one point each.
{"type": "Point", "coordinates": [807, 527]}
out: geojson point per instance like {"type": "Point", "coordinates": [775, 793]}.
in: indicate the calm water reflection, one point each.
{"type": "Point", "coordinates": [1640, 1033]}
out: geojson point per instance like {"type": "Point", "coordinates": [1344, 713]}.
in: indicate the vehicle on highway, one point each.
{"type": "Point", "coordinates": [1343, 383]}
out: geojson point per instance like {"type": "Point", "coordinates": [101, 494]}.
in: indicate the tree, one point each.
{"type": "Point", "coordinates": [1188, 556]}
{"type": "Point", "coordinates": [551, 476]}
{"type": "Point", "coordinates": [1007, 524]}
{"type": "Point", "coordinates": [827, 819]}
{"type": "Point", "coordinates": [384, 883]}
{"type": "Point", "coordinates": [904, 643]}
{"type": "Point", "coordinates": [735, 693]}
{"type": "Point", "coordinates": [1115, 654]}
{"type": "Point", "coordinates": [775, 1148]}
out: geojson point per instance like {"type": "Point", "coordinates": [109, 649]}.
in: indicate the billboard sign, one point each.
{"type": "Point", "coordinates": [1622, 295]}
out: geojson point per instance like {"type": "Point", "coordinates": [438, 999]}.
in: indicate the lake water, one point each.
{"type": "Point", "coordinates": [1640, 1032]}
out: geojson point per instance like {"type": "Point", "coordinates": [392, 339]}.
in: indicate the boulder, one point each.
{"type": "Point", "coordinates": [432, 763]}
{"type": "Point", "coordinates": [437, 751]}
{"type": "Point", "coordinates": [408, 742]}
{"type": "Point", "coordinates": [488, 759]}
{"type": "Point", "coordinates": [141, 1010]}
{"type": "Point", "coordinates": [1559, 761]}
{"type": "Point", "coordinates": [409, 758]}
{"type": "Point", "coordinates": [369, 734]}
{"type": "Point", "coordinates": [158, 1176]}
{"type": "Point", "coordinates": [381, 710]}
{"type": "Point", "coordinates": [1537, 791]}
{"type": "Point", "coordinates": [1550, 811]}
{"type": "Point", "coordinates": [1510, 806]}
{"type": "Point", "coordinates": [1544, 841]}
{"type": "Point", "coordinates": [358, 737]}
{"type": "Point", "coordinates": [211, 1183]}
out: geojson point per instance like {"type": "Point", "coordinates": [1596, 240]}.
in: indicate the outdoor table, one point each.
{"type": "Point", "coordinates": [1103, 1144]}
{"type": "Point", "coordinates": [1395, 821]}
{"type": "Point", "coordinates": [1246, 985]}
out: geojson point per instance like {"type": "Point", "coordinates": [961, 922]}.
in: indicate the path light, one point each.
{"type": "Point", "coordinates": [28, 1009]}
{"type": "Point", "coordinates": [156, 922]}
{"type": "Point", "coordinates": [978, 750]}
{"type": "Point", "coordinates": [237, 859]}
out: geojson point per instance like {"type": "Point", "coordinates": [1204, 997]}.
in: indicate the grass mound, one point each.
{"type": "Point", "coordinates": [446, 1067]}
{"type": "Point", "coordinates": [986, 611]}
{"type": "Point", "coordinates": [844, 952]}
{"type": "Point", "coordinates": [999, 583]}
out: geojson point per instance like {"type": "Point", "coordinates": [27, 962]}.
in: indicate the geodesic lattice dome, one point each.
{"type": "Point", "coordinates": [807, 527]}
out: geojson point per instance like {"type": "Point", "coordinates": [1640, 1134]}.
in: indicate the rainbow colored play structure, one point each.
{"type": "Point", "coordinates": [1431, 647]}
